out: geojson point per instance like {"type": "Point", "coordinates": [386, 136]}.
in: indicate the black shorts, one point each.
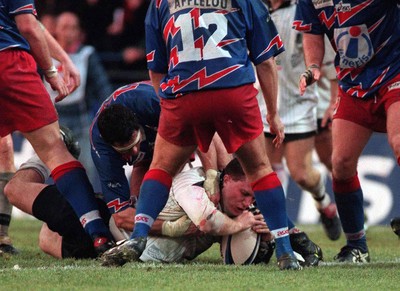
{"type": "Point", "coordinates": [292, 136]}
{"type": "Point", "coordinates": [320, 128]}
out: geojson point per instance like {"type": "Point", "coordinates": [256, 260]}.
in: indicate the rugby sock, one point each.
{"type": "Point", "coordinates": [73, 183]}
{"type": "Point", "coordinates": [5, 207]}
{"type": "Point", "coordinates": [349, 201]}
{"type": "Point", "coordinates": [282, 175]}
{"type": "Point", "coordinates": [270, 200]}
{"type": "Point", "coordinates": [153, 196]}
{"type": "Point", "coordinates": [319, 194]}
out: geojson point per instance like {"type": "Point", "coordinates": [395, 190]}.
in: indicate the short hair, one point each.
{"type": "Point", "coordinates": [117, 123]}
{"type": "Point", "coordinates": [233, 169]}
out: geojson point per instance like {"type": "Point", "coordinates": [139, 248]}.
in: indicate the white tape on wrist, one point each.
{"type": "Point", "coordinates": [51, 73]}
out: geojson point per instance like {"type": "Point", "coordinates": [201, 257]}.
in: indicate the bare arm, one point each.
{"type": "Point", "coordinates": [268, 78]}
{"type": "Point", "coordinates": [71, 74]}
{"type": "Point", "coordinates": [30, 29]}
{"type": "Point", "coordinates": [314, 51]}
{"type": "Point", "coordinates": [156, 80]}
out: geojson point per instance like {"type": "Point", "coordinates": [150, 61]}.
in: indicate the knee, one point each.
{"type": "Point", "coordinates": [9, 190]}
{"type": "Point", "coordinates": [344, 167]}
{"type": "Point", "coordinates": [300, 177]}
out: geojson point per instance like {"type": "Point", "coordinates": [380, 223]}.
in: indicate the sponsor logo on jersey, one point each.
{"type": "Point", "coordinates": [318, 4]}
{"type": "Point", "coordinates": [177, 5]}
{"type": "Point", "coordinates": [343, 7]}
{"type": "Point", "coordinates": [354, 46]}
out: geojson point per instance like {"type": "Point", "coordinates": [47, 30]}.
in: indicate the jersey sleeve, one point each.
{"type": "Point", "coordinates": [21, 7]}
{"type": "Point", "coordinates": [114, 184]}
{"type": "Point", "coordinates": [263, 39]}
{"type": "Point", "coordinates": [306, 18]}
{"type": "Point", "coordinates": [157, 59]}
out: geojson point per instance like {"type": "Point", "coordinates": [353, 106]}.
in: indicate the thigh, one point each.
{"type": "Point", "coordinates": [298, 155]}
{"type": "Point", "coordinates": [254, 160]}
{"type": "Point", "coordinates": [348, 141]}
{"type": "Point", "coordinates": [274, 154]}
{"type": "Point", "coordinates": [48, 145]}
{"type": "Point", "coordinates": [393, 127]}
{"type": "Point", "coordinates": [170, 157]}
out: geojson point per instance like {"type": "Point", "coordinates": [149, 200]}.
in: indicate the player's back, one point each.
{"type": "Point", "coordinates": [208, 44]}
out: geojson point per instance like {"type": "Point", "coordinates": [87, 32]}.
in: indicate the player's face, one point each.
{"type": "Point", "coordinates": [130, 148]}
{"type": "Point", "coordinates": [237, 196]}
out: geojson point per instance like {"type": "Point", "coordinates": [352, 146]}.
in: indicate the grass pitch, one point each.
{"type": "Point", "coordinates": [34, 270]}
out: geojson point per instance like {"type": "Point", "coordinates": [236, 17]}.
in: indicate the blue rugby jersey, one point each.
{"type": "Point", "coordinates": [10, 36]}
{"type": "Point", "coordinates": [144, 103]}
{"type": "Point", "coordinates": [365, 35]}
{"type": "Point", "coordinates": [208, 44]}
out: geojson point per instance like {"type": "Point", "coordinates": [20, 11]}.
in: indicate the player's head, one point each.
{"type": "Point", "coordinates": [236, 192]}
{"type": "Point", "coordinates": [68, 29]}
{"type": "Point", "coordinates": [118, 127]}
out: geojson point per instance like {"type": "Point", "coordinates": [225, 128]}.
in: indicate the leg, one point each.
{"type": "Point", "coordinates": [349, 139]}
{"type": "Point", "coordinates": [7, 170]}
{"type": "Point", "coordinates": [323, 147]}
{"type": "Point", "coordinates": [269, 196]}
{"type": "Point", "coordinates": [393, 130]}
{"type": "Point", "coordinates": [50, 242]}
{"type": "Point", "coordinates": [275, 156]}
{"type": "Point", "coordinates": [299, 160]}
{"type": "Point", "coordinates": [71, 179]}
{"type": "Point", "coordinates": [167, 161]}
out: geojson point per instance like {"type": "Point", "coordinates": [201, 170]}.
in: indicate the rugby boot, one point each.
{"type": "Point", "coordinates": [311, 253]}
{"type": "Point", "coordinates": [102, 244]}
{"type": "Point", "coordinates": [6, 246]}
{"type": "Point", "coordinates": [331, 222]}
{"type": "Point", "coordinates": [127, 251]}
{"type": "Point", "coordinates": [288, 262]}
{"type": "Point", "coordinates": [350, 254]}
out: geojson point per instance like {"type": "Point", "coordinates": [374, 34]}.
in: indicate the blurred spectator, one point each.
{"type": "Point", "coordinates": [77, 110]}
{"type": "Point", "coordinates": [96, 16]}
{"type": "Point", "coordinates": [127, 32]}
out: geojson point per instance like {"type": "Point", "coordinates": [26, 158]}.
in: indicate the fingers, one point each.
{"type": "Point", "coordinates": [302, 85]}
{"type": "Point", "coordinates": [278, 140]}
{"type": "Point", "coordinates": [63, 92]}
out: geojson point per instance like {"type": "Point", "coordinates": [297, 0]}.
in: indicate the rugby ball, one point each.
{"type": "Point", "coordinates": [240, 248]}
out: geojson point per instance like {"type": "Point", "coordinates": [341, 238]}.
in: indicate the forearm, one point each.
{"type": "Point", "coordinates": [268, 78]}
{"type": "Point", "coordinates": [55, 50]}
{"type": "Point", "coordinates": [156, 80]}
{"type": "Point", "coordinates": [314, 49]}
{"type": "Point", "coordinates": [220, 224]}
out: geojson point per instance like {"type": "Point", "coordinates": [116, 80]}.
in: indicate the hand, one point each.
{"type": "Point", "coordinates": [177, 227]}
{"type": "Point", "coordinates": [211, 186]}
{"type": "Point", "coordinates": [71, 76]}
{"type": "Point", "coordinates": [311, 75]}
{"type": "Point", "coordinates": [58, 84]}
{"type": "Point", "coordinates": [248, 219]}
{"type": "Point", "coordinates": [262, 229]}
{"type": "Point", "coordinates": [277, 128]}
{"type": "Point", "coordinates": [328, 115]}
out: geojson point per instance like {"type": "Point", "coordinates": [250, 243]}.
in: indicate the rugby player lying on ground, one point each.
{"type": "Point", "coordinates": [189, 224]}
